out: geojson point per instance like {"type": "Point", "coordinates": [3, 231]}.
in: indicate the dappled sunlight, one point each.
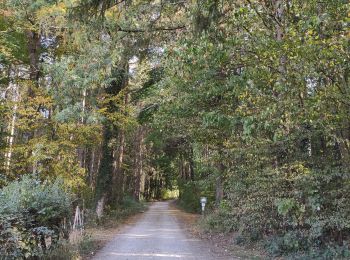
{"type": "Point", "coordinates": [169, 212]}
{"type": "Point", "coordinates": [157, 235]}
{"type": "Point", "coordinates": [163, 255]}
{"type": "Point", "coordinates": [160, 230]}
{"type": "Point", "coordinates": [135, 235]}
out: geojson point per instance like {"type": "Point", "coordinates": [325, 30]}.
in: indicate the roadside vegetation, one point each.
{"type": "Point", "coordinates": [97, 232]}
{"type": "Point", "coordinates": [36, 222]}
{"type": "Point", "coordinates": [105, 104]}
{"type": "Point", "coordinates": [31, 215]}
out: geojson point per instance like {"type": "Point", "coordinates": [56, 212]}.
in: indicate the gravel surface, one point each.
{"type": "Point", "coordinates": [157, 235]}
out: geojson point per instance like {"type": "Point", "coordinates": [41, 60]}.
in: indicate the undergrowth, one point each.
{"type": "Point", "coordinates": [113, 217]}
{"type": "Point", "coordinates": [88, 244]}
{"type": "Point", "coordinates": [287, 245]}
{"type": "Point", "coordinates": [80, 249]}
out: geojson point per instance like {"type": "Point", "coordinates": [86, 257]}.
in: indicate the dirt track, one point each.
{"type": "Point", "coordinates": [157, 235]}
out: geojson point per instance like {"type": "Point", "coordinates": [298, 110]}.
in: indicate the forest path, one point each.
{"type": "Point", "coordinates": [157, 235]}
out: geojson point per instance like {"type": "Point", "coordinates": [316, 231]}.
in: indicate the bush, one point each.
{"type": "Point", "coordinates": [80, 249]}
{"type": "Point", "coordinates": [128, 207]}
{"type": "Point", "coordinates": [189, 196]}
{"type": "Point", "coordinates": [31, 214]}
{"type": "Point", "coordinates": [63, 250]}
{"type": "Point", "coordinates": [295, 210]}
{"type": "Point", "coordinates": [221, 220]}
{"type": "Point", "coordinates": [190, 193]}
{"type": "Point", "coordinates": [111, 217]}
{"type": "Point", "coordinates": [290, 242]}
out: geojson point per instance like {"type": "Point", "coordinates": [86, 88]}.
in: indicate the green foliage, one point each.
{"type": "Point", "coordinates": [248, 96]}
{"type": "Point", "coordinates": [167, 194]}
{"type": "Point", "coordinates": [253, 94]}
{"type": "Point", "coordinates": [190, 193]}
{"type": "Point", "coordinates": [64, 249]}
{"type": "Point", "coordinates": [27, 8]}
{"type": "Point", "coordinates": [114, 216]}
{"type": "Point", "coordinates": [129, 203]}
{"type": "Point", "coordinates": [221, 220]}
{"type": "Point", "coordinates": [30, 212]}
{"type": "Point", "coordinates": [189, 196]}
{"type": "Point", "coordinates": [298, 247]}
{"type": "Point", "coordinates": [13, 43]}
{"type": "Point", "coordinates": [290, 242]}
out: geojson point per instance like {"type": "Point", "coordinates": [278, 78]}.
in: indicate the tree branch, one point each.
{"type": "Point", "coordinates": [151, 29]}
{"type": "Point", "coordinates": [258, 13]}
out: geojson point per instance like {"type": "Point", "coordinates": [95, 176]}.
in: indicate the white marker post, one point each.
{"type": "Point", "coordinates": [203, 201]}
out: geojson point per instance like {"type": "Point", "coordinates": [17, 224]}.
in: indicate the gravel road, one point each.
{"type": "Point", "coordinates": [157, 235]}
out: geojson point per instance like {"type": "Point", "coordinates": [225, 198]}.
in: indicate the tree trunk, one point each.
{"type": "Point", "coordinates": [219, 187]}
{"type": "Point", "coordinates": [191, 164]}
{"type": "Point", "coordinates": [117, 177]}
{"type": "Point", "coordinates": [279, 14]}
{"type": "Point", "coordinates": [34, 52]}
{"type": "Point", "coordinates": [92, 167]}
{"type": "Point", "coordinates": [83, 107]}
{"type": "Point", "coordinates": [15, 97]}
{"type": "Point", "coordinates": [344, 148]}
{"type": "Point", "coordinates": [100, 206]}
{"type": "Point", "coordinates": [105, 165]}
{"type": "Point", "coordinates": [138, 171]}
{"type": "Point", "coordinates": [10, 139]}
{"type": "Point", "coordinates": [219, 180]}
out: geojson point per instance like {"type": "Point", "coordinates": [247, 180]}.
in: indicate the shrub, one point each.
{"type": "Point", "coordinates": [111, 217]}
{"type": "Point", "coordinates": [189, 196]}
{"type": "Point", "coordinates": [190, 193]}
{"type": "Point", "coordinates": [289, 242]}
{"type": "Point", "coordinates": [221, 220]}
{"type": "Point", "coordinates": [31, 214]}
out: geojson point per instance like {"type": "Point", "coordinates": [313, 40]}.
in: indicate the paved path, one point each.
{"type": "Point", "coordinates": [156, 235]}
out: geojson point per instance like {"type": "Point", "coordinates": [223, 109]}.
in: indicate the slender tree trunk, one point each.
{"type": "Point", "coordinates": [219, 193]}
{"type": "Point", "coordinates": [82, 151]}
{"type": "Point", "coordinates": [92, 167]}
{"type": "Point", "coordinates": [219, 180]}
{"type": "Point", "coordinates": [120, 171]}
{"type": "Point", "coordinates": [10, 139]}
{"type": "Point", "coordinates": [191, 164]}
{"type": "Point", "coordinates": [280, 32]}
{"type": "Point", "coordinates": [138, 171]}
{"type": "Point", "coordinates": [83, 107]}
{"type": "Point", "coordinates": [344, 144]}
{"type": "Point", "coordinates": [279, 13]}
{"type": "Point", "coordinates": [136, 185]}
{"type": "Point", "coordinates": [100, 206]}
{"type": "Point", "coordinates": [105, 167]}
{"type": "Point", "coordinates": [15, 97]}
{"type": "Point", "coordinates": [117, 178]}
{"type": "Point", "coordinates": [34, 53]}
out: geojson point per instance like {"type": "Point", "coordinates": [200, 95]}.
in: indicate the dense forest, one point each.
{"type": "Point", "coordinates": [246, 102]}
